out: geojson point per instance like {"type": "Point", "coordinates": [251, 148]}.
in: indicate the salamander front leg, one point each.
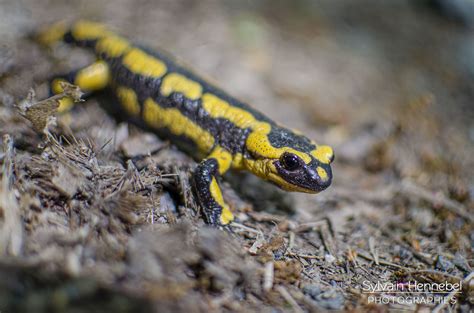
{"type": "Point", "coordinates": [215, 210]}
{"type": "Point", "coordinates": [91, 78]}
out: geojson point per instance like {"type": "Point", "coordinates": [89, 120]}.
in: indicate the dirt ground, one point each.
{"type": "Point", "coordinates": [97, 215]}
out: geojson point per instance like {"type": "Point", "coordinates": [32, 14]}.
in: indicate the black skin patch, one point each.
{"type": "Point", "coordinates": [203, 175]}
{"type": "Point", "coordinates": [69, 38]}
{"type": "Point", "coordinates": [281, 137]}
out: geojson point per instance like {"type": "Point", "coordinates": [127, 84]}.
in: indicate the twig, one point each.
{"type": "Point", "coordinates": [258, 243]}
{"type": "Point", "coordinates": [328, 240]}
{"type": "Point", "coordinates": [268, 276]}
{"type": "Point", "coordinates": [266, 217]}
{"type": "Point", "coordinates": [8, 162]}
{"type": "Point", "coordinates": [288, 298]}
{"type": "Point", "coordinates": [309, 226]}
{"type": "Point", "coordinates": [368, 257]}
{"type": "Point", "coordinates": [373, 251]}
{"type": "Point", "coordinates": [291, 240]}
{"type": "Point", "coordinates": [305, 256]}
{"type": "Point", "coordinates": [246, 228]}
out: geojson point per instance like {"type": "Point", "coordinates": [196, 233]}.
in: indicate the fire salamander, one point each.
{"type": "Point", "coordinates": [157, 93]}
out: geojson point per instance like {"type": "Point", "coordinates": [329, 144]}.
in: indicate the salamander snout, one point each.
{"type": "Point", "coordinates": [296, 175]}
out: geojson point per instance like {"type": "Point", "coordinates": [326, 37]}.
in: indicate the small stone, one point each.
{"type": "Point", "coordinates": [329, 258]}
{"type": "Point", "coordinates": [140, 145]}
{"type": "Point", "coordinates": [461, 262]}
{"type": "Point", "coordinates": [326, 298]}
{"type": "Point", "coordinates": [443, 264]}
{"type": "Point", "coordinates": [167, 204]}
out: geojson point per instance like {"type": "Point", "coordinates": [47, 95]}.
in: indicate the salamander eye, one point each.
{"type": "Point", "coordinates": [290, 161]}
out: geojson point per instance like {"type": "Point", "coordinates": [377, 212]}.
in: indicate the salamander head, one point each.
{"type": "Point", "coordinates": [292, 173]}
{"type": "Point", "coordinates": [292, 162]}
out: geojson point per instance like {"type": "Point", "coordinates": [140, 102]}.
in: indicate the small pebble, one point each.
{"type": "Point", "coordinates": [461, 262]}
{"type": "Point", "coordinates": [329, 299]}
{"type": "Point", "coordinates": [329, 258]}
{"type": "Point", "coordinates": [443, 264]}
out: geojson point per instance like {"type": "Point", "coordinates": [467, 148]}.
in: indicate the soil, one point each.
{"type": "Point", "coordinates": [97, 215]}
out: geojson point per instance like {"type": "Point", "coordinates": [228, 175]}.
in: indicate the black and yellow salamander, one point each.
{"type": "Point", "coordinates": [224, 133]}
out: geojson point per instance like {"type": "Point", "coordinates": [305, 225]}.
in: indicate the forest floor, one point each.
{"type": "Point", "coordinates": [96, 214]}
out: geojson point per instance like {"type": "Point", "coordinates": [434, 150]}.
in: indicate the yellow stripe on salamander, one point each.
{"type": "Point", "coordinates": [218, 108]}
{"type": "Point", "coordinates": [93, 77]}
{"type": "Point", "coordinates": [223, 157]}
{"type": "Point", "coordinates": [322, 173]}
{"type": "Point", "coordinates": [175, 82]}
{"type": "Point", "coordinates": [258, 139]}
{"type": "Point", "coordinates": [139, 62]}
{"type": "Point", "coordinates": [112, 46]}
{"type": "Point", "coordinates": [226, 215]}
{"type": "Point", "coordinates": [178, 124]}
{"type": "Point", "coordinates": [128, 99]}
{"type": "Point", "coordinates": [323, 154]}
{"type": "Point", "coordinates": [85, 30]}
